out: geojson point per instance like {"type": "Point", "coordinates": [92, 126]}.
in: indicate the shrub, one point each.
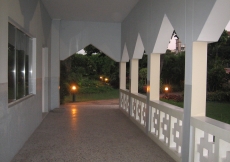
{"type": "Point", "coordinates": [218, 96]}
{"type": "Point", "coordinates": [93, 86]}
{"type": "Point", "coordinates": [177, 98]}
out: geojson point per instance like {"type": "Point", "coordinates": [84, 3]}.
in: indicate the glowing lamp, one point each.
{"type": "Point", "coordinates": [166, 89]}
{"type": "Point", "coordinates": [74, 88]}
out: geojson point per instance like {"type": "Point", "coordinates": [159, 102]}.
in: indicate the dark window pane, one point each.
{"type": "Point", "coordinates": [27, 74]}
{"type": "Point", "coordinates": [20, 73]}
{"type": "Point", "coordinates": [11, 64]}
{"type": "Point", "coordinates": [19, 62]}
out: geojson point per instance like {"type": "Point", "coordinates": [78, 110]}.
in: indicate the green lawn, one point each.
{"type": "Point", "coordinates": [112, 94]}
{"type": "Point", "coordinates": [215, 110]}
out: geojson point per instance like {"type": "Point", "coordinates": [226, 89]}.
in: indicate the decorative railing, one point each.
{"type": "Point", "coordinates": [138, 109]}
{"type": "Point", "coordinates": [124, 100]}
{"type": "Point", "coordinates": [166, 127]}
{"type": "Point", "coordinates": [210, 138]}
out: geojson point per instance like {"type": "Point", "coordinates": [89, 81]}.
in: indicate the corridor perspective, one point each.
{"type": "Point", "coordinates": [90, 132]}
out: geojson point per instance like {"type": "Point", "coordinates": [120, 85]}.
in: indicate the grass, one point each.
{"type": "Point", "coordinates": [179, 104]}
{"type": "Point", "coordinates": [112, 94]}
{"type": "Point", "coordinates": [215, 110]}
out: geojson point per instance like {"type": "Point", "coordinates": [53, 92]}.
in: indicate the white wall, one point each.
{"type": "Point", "coordinates": [75, 35]}
{"type": "Point", "coordinates": [19, 121]}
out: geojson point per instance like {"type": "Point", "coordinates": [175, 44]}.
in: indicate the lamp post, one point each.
{"type": "Point", "coordinates": [74, 88]}
{"type": "Point", "coordinates": [166, 90]}
{"type": "Point", "coordinates": [106, 79]}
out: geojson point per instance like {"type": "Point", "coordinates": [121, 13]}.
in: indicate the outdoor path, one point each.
{"type": "Point", "coordinates": [95, 131]}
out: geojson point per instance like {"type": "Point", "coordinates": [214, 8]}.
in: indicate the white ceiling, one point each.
{"type": "Point", "coordinates": [89, 10]}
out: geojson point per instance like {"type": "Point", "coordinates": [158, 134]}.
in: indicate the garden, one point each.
{"type": "Point", "coordinates": [96, 77]}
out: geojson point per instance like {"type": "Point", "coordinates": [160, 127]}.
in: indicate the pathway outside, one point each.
{"type": "Point", "coordinates": [95, 131]}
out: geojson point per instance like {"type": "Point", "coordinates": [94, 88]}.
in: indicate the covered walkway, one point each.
{"type": "Point", "coordinates": [90, 131]}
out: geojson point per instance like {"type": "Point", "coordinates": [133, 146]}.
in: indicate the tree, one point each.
{"type": "Point", "coordinates": [88, 67]}
{"type": "Point", "coordinates": [90, 49]}
{"type": "Point", "coordinates": [218, 59]}
{"type": "Point", "coordinates": [215, 49]}
{"type": "Point", "coordinates": [143, 76]}
{"type": "Point", "coordinates": [173, 68]}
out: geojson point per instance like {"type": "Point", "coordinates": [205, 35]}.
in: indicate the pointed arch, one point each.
{"type": "Point", "coordinates": [215, 25]}
{"type": "Point", "coordinates": [75, 35]}
{"type": "Point", "coordinates": [125, 55]}
{"type": "Point", "coordinates": [139, 48]}
{"type": "Point", "coordinates": [164, 36]}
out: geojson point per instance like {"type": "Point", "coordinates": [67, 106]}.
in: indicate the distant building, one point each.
{"type": "Point", "coordinates": [179, 47]}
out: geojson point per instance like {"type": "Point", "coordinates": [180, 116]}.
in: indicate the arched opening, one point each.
{"type": "Point", "coordinates": [94, 75]}
{"type": "Point", "coordinates": [218, 78]}
{"type": "Point", "coordinates": [172, 71]}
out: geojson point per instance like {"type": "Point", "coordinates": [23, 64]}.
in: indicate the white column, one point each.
{"type": "Point", "coordinates": [154, 76]}
{"type": "Point", "coordinates": [133, 81]}
{"type": "Point", "coordinates": [194, 92]}
{"type": "Point", "coordinates": [54, 65]}
{"type": "Point", "coordinates": [153, 84]}
{"type": "Point", "coordinates": [45, 76]}
{"type": "Point", "coordinates": [199, 79]}
{"type": "Point", "coordinates": [122, 75]}
{"type": "Point", "coordinates": [134, 65]}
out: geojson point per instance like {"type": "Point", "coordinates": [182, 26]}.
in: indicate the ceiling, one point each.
{"type": "Point", "coordinates": [89, 10]}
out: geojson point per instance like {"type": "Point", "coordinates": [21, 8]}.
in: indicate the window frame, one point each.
{"type": "Point", "coordinates": [29, 54]}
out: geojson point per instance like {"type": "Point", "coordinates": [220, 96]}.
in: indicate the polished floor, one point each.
{"type": "Point", "coordinates": [89, 132]}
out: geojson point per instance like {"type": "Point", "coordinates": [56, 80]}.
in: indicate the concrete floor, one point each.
{"type": "Point", "coordinates": [89, 132]}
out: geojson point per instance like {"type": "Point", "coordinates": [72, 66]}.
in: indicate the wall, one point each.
{"type": "Point", "coordinates": [19, 121]}
{"type": "Point", "coordinates": [193, 21]}
{"type": "Point", "coordinates": [76, 35]}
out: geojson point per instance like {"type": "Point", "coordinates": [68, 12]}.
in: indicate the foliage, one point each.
{"type": "Point", "coordinates": [220, 49]}
{"type": "Point", "coordinates": [63, 88]}
{"type": "Point", "coordinates": [172, 72]}
{"type": "Point", "coordinates": [93, 86]}
{"type": "Point", "coordinates": [83, 65]}
{"type": "Point", "coordinates": [143, 76]}
{"type": "Point", "coordinates": [106, 67]}
{"type": "Point", "coordinates": [173, 68]}
{"type": "Point", "coordinates": [216, 77]}
{"type": "Point", "coordinates": [143, 63]}
{"type": "Point", "coordinates": [90, 49]}
{"type": "Point", "coordinates": [219, 96]}
{"type": "Point", "coordinates": [174, 97]}
{"type": "Point", "coordinates": [84, 71]}
{"type": "Point", "coordinates": [218, 59]}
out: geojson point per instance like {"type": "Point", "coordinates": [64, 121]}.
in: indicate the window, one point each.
{"type": "Point", "coordinates": [19, 64]}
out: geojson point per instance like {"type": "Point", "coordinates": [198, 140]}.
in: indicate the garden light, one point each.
{"type": "Point", "coordinates": [74, 88]}
{"type": "Point", "coordinates": [166, 89]}
{"type": "Point", "coordinates": [148, 89]}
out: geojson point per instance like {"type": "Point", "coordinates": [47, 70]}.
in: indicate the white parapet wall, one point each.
{"type": "Point", "coordinates": [210, 138]}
